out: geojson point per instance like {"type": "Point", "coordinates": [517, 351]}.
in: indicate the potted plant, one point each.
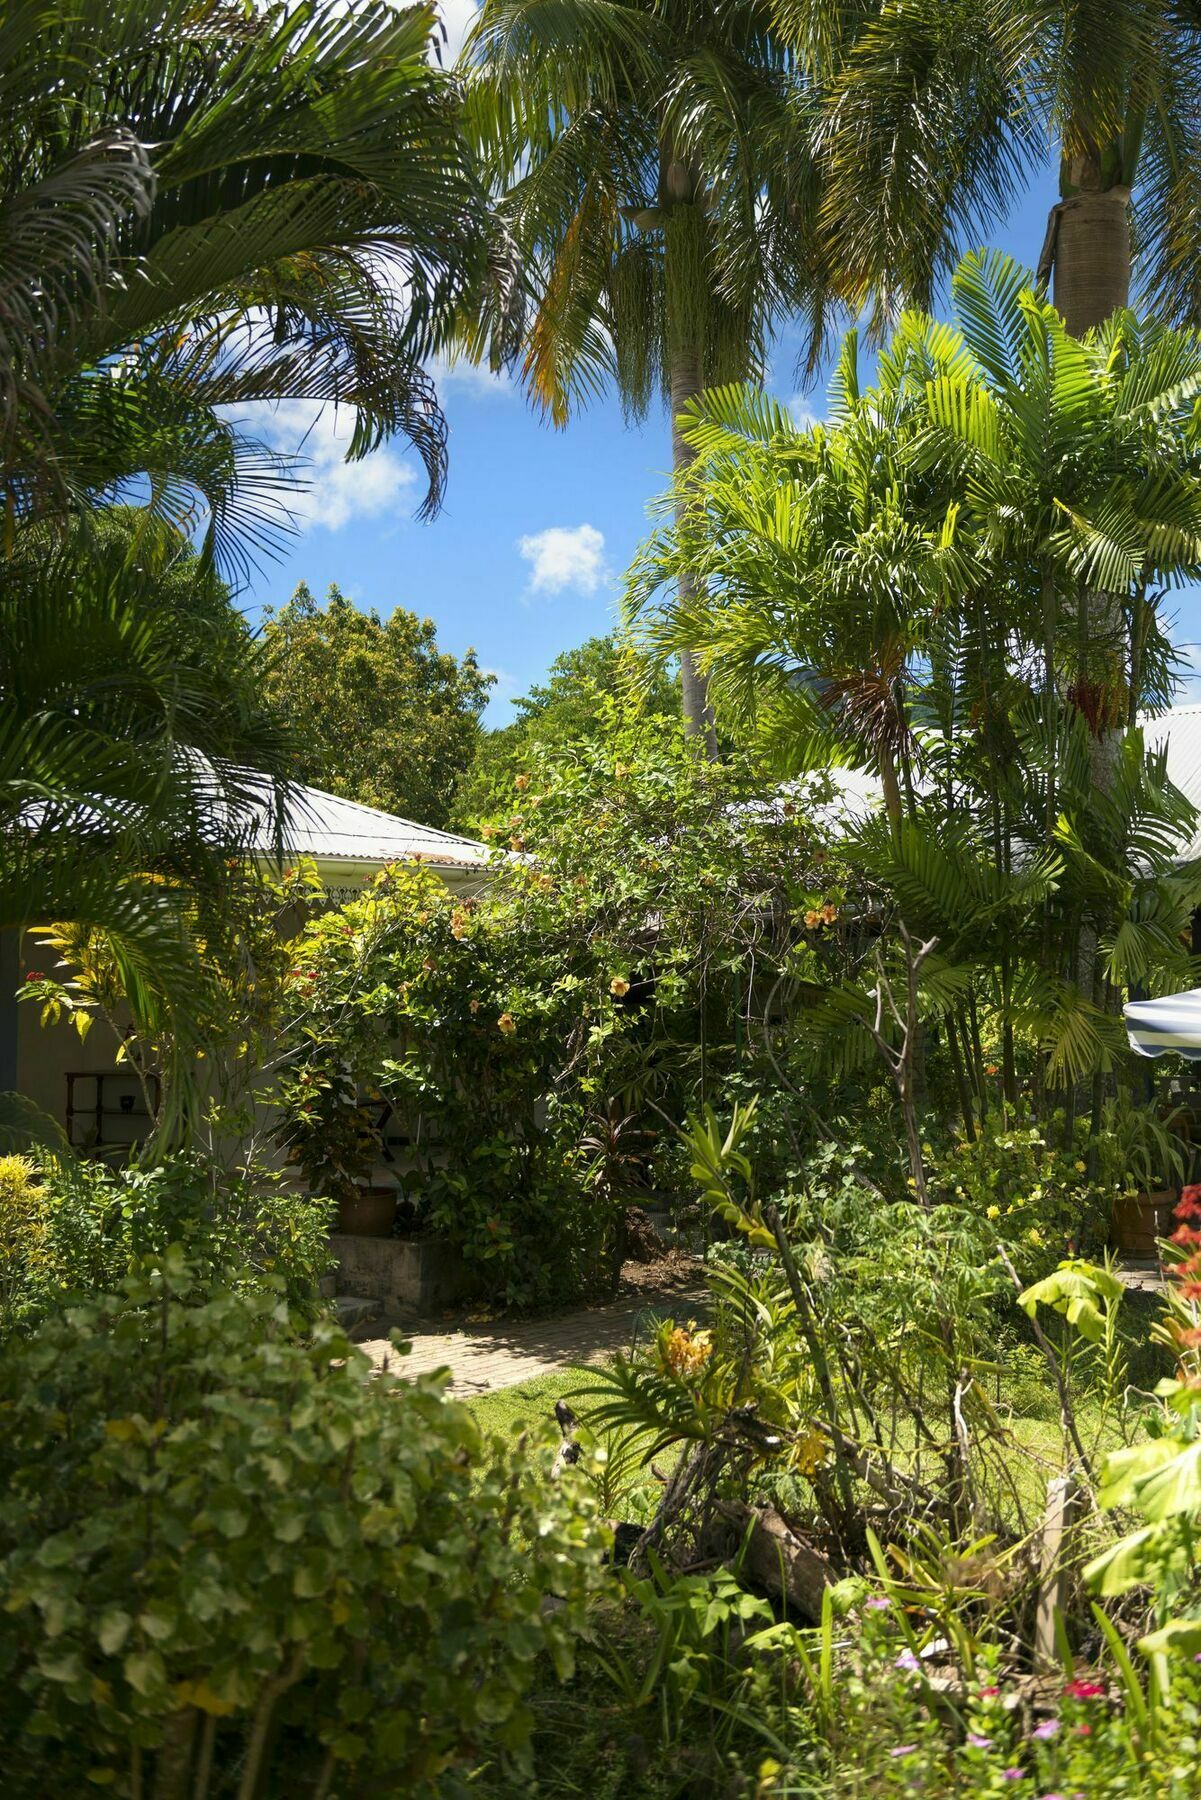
{"type": "Point", "coordinates": [334, 1138]}
{"type": "Point", "coordinates": [368, 1211]}
{"type": "Point", "coordinates": [1155, 1154]}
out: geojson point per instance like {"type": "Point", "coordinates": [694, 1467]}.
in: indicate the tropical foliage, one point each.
{"type": "Point", "coordinates": [529, 1041]}
{"type": "Point", "coordinates": [204, 208]}
{"type": "Point", "coordinates": [914, 590]}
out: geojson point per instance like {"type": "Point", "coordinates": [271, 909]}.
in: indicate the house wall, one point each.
{"type": "Point", "coordinates": [48, 1054]}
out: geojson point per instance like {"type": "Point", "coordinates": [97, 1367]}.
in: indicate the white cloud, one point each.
{"type": "Point", "coordinates": [476, 380]}
{"type": "Point", "coordinates": [335, 491]}
{"type": "Point", "coordinates": [456, 17]}
{"type": "Point", "coordinates": [565, 556]}
{"type": "Point", "coordinates": [803, 415]}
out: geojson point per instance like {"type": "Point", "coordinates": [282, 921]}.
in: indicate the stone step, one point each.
{"type": "Point", "coordinates": [356, 1309]}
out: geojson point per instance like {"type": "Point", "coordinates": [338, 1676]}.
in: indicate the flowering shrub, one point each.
{"type": "Point", "coordinates": [1159, 1478]}
{"type": "Point", "coordinates": [23, 1233]}
{"type": "Point", "coordinates": [607, 966]}
{"type": "Point", "coordinates": [1037, 1195]}
{"type": "Point", "coordinates": [80, 1224]}
{"type": "Point", "coordinates": [891, 1728]}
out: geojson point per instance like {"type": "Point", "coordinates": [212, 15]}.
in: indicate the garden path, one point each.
{"type": "Point", "coordinates": [484, 1354]}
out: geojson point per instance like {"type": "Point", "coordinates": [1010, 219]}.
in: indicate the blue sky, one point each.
{"type": "Point", "coordinates": [526, 557]}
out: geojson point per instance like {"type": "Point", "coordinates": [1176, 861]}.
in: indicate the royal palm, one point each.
{"type": "Point", "coordinates": [653, 160]}
{"type": "Point", "coordinates": [941, 112]}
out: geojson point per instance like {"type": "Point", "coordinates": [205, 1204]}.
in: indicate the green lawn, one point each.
{"type": "Point", "coordinates": [512, 1409]}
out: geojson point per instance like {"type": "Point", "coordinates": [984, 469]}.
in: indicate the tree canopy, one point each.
{"type": "Point", "coordinates": [586, 692]}
{"type": "Point", "coordinates": [378, 712]}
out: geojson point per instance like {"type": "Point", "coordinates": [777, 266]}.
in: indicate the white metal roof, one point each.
{"type": "Point", "coordinates": [1180, 730]}
{"type": "Point", "coordinates": [330, 829]}
{"type": "Point", "coordinates": [858, 794]}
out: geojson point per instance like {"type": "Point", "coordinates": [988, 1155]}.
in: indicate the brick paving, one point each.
{"type": "Point", "coordinates": [499, 1353]}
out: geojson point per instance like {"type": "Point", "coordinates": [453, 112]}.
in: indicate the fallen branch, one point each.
{"type": "Point", "coordinates": [778, 1559]}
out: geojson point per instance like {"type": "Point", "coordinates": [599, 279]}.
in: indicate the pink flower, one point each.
{"type": "Point", "coordinates": [907, 1660]}
{"type": "Point", "coordinates": [877, 1603]}
{"type": "Point", "coordinates": [978, 1741]}
{"type": "Point", "coordinates": [1047, 1729]}
{"type": "Point", "coordinates": [1085, 1690]}
{"type": "Point", "coordinates": [903, 1750]}
{"type": "Point", "coordinates": [989, 1693]}
{"type": "Point", "coordinates": [1013, 1774]}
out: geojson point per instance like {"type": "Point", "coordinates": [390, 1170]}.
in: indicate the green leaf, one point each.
{"type": "Point", "coordinates": [145, 1672]}
{"type": "Point", "coordinates": [112, 1630]}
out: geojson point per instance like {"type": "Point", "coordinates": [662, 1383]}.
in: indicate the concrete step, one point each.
{"type": "Point", "coordinates": [356, 1309]}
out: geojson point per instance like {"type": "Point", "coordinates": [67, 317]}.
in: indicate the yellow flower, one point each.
{"type": "Point", "coordinates": [1035, 1235]}
{"type": "Point", "coordinates": [684, 1354]}
{"type": "Point", "coordinates": [473, 1006]}
{"type": "Point", "coordinates": [993, 1212]}
{"type": "Point", "coordinates": [621, 771]}
{"type": "Point", "coordinates": [812, 919]}
{"type": "Point", "coordinates": [521, 782]}
{"type": "Point", "coordinates": [829, 913]}
{"type": "Point", "coordinates": [517, 843]}
{"type": "Point", "coordinates": [810, 1452]}
{"type": "Point", "coordinates": [1080, 1168]}
{"type": "Point", "coordinates": [619, 987]}
{"type": "Point", "coordinates": [506, 1023]}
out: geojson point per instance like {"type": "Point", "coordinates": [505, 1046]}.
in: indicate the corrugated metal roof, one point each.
{"type": "Point", "coordinates": [1180, 730]}
{"type": "Point", "coordinates": [858, 794]}
{"type": "Point", "coordinates": [330, 829]}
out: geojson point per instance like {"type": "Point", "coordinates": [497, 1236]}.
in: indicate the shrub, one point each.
{"type": "Point", "coordinates": [533, 1039]}
{"type": "Point", "coordinates": [218, 1544]}
{"type": "Point", "coordinates": [73, 1227]}
{"type": "Point", "coordinates": [23, 1234]}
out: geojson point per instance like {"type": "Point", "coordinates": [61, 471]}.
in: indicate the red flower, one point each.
{"type": "Point", "coordinates": [1085, 1690]}
{"type": "Point", "coordinates": [1184, 1235]}
{"type": "Point", "coordinates": [34, 975]}
{"type": "Point", "coordinates": [1189, 1206]}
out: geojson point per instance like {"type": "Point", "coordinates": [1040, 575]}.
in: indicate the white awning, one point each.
{"type": "Point", "coordinates": [1167, 1027]}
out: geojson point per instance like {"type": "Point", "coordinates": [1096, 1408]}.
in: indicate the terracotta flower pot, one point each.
{"type": "Point", "coordinates": [1139, 1220]}
{"type": "Point", "coordinates": [368, 1212]}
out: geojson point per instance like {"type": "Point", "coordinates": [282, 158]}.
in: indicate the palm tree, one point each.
{"type": "Point", "coordinates": [652, 157]}
{"type": "Point", "coordinates": [912, 589]}
{"type": "Point", "coordinates": [205, 206]}
{"type": "Point", "coordinates": [201, 206]}
{"type": "Point", "coordinates": [940, 110]}
{"type": "Point", "coordinates": [136, 754]}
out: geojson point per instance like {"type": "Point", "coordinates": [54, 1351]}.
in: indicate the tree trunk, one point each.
{"type": "Point", "coordinates": [685, 386]}
{"type": "Point", "coordinates": [1088, 241]}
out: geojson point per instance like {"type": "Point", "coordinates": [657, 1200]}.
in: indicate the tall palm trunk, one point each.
{"type": "Point", "coordinates": [1090, 243]}
{"type": "Point", "coordinates": [1092, 280]}
{"type": "Point", "coordinates": [1092, 240]}
{"type": "Point", "coordinates": [686, 385]}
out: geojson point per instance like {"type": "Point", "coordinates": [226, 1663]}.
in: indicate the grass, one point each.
{"type": "Point", "coordinates": [506, 1411]}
